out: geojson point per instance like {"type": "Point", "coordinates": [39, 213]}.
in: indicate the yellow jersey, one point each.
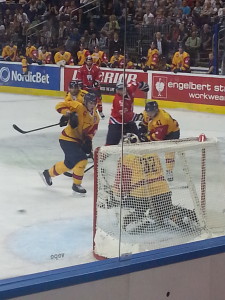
{"type": "Point", "coordinates": [99, 57]}
{"type": "Point", "coordinates": [81, 56]}
{"type": "Point", "coordinates": [142, 176]}
{"type": "Point", "coordinates": [79, 97]}
{"type": "Point", "coordinates": [9, 52]}
{"type": "Point", "coordinates": [153, 58]}
{"type": "Point", "coordinates": [181, 61]}
{"type": "Point", "coordinates": [31, 52]}
{"type": "Point", "coordinates": [87, 122]}
{"type": "Point", "coordinates": [64, 56]}
{"type": "Point", "coordinates": [160, 126]}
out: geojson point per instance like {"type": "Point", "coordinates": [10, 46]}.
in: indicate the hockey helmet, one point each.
{"type": "Point", "coordinates": [89, 58]}
{"type": "Point", "coordinates": [90, 98]}
{"type": "Point", "coordinates": [74, 84]}
{"type": "Point", "coordinates": [120, 84]}
{"type": "Point", "coordinates": [130, 138]}
{"type": "Point", "coordinates": [151, 106]}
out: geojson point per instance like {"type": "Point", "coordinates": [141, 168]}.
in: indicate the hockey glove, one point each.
{"type": "Point", "coordinates": [143, 86]}
{"type": "Point", "coordinates": [138, 117]}
{"type": "Point", "coordinates": [142, 129]}
{"type": "Point", "coordinates": [96, 84]}
{"type": "Point", "coordinates": [87, 146]}
{"type": "Point", "coordinates": [63, 121]}
{"type": "Point", "coordinates": [73, 120]}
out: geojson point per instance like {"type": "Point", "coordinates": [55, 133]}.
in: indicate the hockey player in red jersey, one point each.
{"type": "Point", "coordinates": [119, 115]}
{"type": "Point", "coordinates": [90, 77]}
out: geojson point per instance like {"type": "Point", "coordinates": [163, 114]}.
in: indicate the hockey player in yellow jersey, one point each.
{"type": "Point", "coordinates": [99, 57]}
{"type": "Point", "coordinates": [158, 125]}
{"type": "Point", "coordinates": [9, 52]}
{"type": "Point", "coordinates": [75, 93]}
{"type": "Point", "coordinates": [82, 54]}
{"type": "Point", "coordinates": [31, 56]}
{"type": "Point", "coordinates": [144, 187]}
{"type": "Point", "coordinates": [153, 57]}
{"type": "Point", "coordinates": [145, 199]}
{"type": "Point", "coordinates": [180, 61]}
{"type": "Point", "coordinates": [76, 139]}
{"type": "Point", "coordinates": [63, 57]}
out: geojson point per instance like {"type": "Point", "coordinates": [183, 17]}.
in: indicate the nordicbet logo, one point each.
{"type": "Point", "coordinates": [4, 74]}
{"type": "Point", "coordinates": [37, 77]}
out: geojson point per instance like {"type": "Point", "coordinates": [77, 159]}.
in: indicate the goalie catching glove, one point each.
{"type": "Point", "coordinates": [143, 86]}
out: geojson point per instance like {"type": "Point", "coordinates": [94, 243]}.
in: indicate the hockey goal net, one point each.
{"type": "Point", "coordinates": [153, 195]}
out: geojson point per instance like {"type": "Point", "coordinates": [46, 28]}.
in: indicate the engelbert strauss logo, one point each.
{"type": "Point", "coordinates": [4, 74]}
{"type": "Point", "coordinates": [160, 87]}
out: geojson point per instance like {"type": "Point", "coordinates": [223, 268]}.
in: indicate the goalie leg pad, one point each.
{"type": "Point", "coordinates": [184, 218]}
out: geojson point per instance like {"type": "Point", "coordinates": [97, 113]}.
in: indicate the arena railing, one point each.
{"type": "Point", "coordinates": [32, 27]}
{"type": "Point", "coordinates": [85, 5]}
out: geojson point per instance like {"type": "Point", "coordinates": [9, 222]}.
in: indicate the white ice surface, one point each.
{"type": "Point", "coordinates": [44, 228]}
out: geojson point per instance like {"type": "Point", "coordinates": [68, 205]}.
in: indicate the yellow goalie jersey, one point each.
{"type": "Point", "coordinates": [87, 122]}
{"type": "Point", "coordinates": [79, 97]}
{"type": "Point", "coordinates": [142, 176]}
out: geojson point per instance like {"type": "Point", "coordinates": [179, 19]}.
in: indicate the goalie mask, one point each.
{"type": "Point", "coordinates": [130, 138]}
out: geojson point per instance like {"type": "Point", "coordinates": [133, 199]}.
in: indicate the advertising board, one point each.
{"type": "Point", "coordinates": [38, 77]}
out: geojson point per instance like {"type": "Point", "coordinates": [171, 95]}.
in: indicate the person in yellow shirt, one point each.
{"type": "Point", "coordinates": [181, 61]}
{"type": "Point", "coordinates": [75, 93]}
{"type": "Point", "coordinates": [32, 54]}
{"type": "Point", "coordinates": [9, 52]}
{"type": "Point", "coordinates": [158, 125]}
{"type": "Point", "coordinates": [45, 56]}
{"type": "Point", "coordinates": [82, 54]}
{"type": "Point", "coordinates": [99, 57]}
{"type": "Point", "coordinates": [152, 57]}
{"type": "Point", "coordinates": [29, 57]}
{"type": "Point", "coordinates": [117, 60]}
{"type": "Point", "coordinates": [63, 57]}
{"type": "Point", "coordinates": [75, 140]}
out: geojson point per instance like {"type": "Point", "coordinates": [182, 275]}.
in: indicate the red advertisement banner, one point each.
{"type": "Point", "coordinates": [188, 89]}
{"type": "Point", "coordinates": [109, 79]}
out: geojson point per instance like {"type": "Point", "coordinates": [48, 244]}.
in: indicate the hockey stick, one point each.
{"type": "Point", "coordinates": [24, 132]}
{"type": "Point", "coordinates": [71, 175]}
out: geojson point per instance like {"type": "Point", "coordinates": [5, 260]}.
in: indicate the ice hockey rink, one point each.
{"type": "Point", "coordinates": [44, 228]}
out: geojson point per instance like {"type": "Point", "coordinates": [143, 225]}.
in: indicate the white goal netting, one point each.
{"type": "Point", "coordinates": [156, 195]}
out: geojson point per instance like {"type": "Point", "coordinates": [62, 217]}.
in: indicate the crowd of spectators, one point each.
{"type": "Point", "coordinates": [169, 24]}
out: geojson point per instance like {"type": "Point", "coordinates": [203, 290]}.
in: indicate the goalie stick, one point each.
{"type": "Point", "coordinates": [36, 129]}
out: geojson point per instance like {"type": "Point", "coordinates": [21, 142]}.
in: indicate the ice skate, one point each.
{"type": "Point", "coordinates": [102, 115]}
{"type": "Point", "coordinates": [79, 189]}
{"type": "Point", "coordinates": [46, 177]}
